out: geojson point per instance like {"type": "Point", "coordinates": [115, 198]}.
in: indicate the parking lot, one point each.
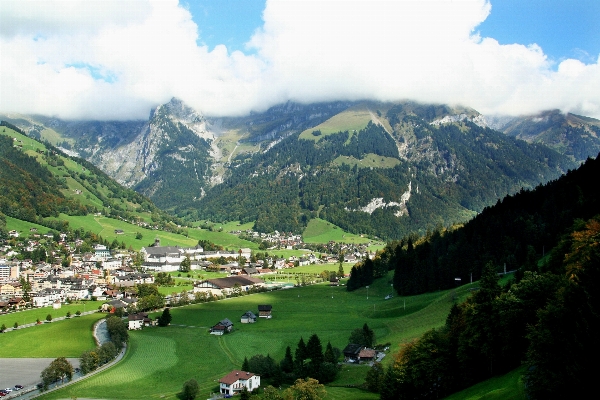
{"type": "Point", "coordinates": [25, 371]}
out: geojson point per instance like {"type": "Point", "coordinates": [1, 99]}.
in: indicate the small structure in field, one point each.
{"type": "Point", "coordinates": [139, 320]}
{"type": "Point", "coordinates": [264, 310]}
{"type": "Point", "coordinates": [224, 326]}
{"type": "Point", "coordinates": [248, 318]}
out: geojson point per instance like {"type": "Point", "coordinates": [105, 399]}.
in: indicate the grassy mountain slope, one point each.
{"type": "Point", "coordinates": [39, 182]}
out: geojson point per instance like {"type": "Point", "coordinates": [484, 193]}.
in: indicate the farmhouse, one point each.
{"type": "Point", "coordinates": [137, 321]}
{"type": "Point", "coordinates": [355, 353]}
{"type": "Point", "coordinates": [236, 381]}
{"type": "Point", "coordinates": [351, 352]}
{"type": "Point", "coordinates": [224, 326]}
{"type": "Point", "coordinates": [264, 310]}
{"type": "Point", "coordinates": [226, 286]}
{"type": "Point", "coordinates": [248, 318]}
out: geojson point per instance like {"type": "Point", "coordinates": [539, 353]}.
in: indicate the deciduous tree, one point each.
{"type": "Point", "coordinates": [190, 390]}
{"type": "Point", "coordinates": [305, 389]}
{"type": "Point", "coordinates": [59, 369]}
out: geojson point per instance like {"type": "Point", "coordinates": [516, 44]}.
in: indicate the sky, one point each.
{"type": "Point", "coordinates": [116, 60]}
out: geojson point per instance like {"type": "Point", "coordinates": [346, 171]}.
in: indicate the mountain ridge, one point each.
{"type": "Point", "coordinates": [181, 159]}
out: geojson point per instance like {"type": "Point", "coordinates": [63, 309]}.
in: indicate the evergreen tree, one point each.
{"type": "Point", "coordinates": [300, 356]}
{"type": "Point", "coordinates": [314, 351]}
{"type": "Point", "coordinates": [287, 364]}
{"type": "Point", "coordinates": [165, 318]}
{"type": "Point", "coordinates": [329, 356]}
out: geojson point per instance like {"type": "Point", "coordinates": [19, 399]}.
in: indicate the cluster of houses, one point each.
{"type": "Point", "coordinates": [225, 325]}
{"type": "Point", "coordinates": [169, 258]}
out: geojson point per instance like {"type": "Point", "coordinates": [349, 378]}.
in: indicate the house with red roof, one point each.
{"type": "Point", "coordinates": [237, 380]}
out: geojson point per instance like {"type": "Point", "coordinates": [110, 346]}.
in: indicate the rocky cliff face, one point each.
{"type": "Point", "coordinates": [139, 160]}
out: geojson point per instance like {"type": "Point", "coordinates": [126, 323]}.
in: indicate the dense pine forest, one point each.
{"type": "Point", "coordinates": [545, 318]}
{"type": "Point", "coordinates": [513, 234]}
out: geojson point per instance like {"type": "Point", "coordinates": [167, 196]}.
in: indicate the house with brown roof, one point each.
{"type": "Point", "coordinates": [356, 353]}
{"type": "Point", "coordinates": [224, 326]}
{"type": "Point", "coordinates": [139, 320]}
{"type": "Point", "coordinates": [235, 381]}
{"type": "Point", "coordinates": [225, 286]}
{"type": "Point", "coordinates": [367, 355]}
{"type": "Point", "coordinates": [264, 310]}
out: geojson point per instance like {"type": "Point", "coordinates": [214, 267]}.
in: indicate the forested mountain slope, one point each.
{"type": "Point", "coordinates": [514, 233]}
{"type": "Point", "coordinates": [383, 169]}
{"type": "Point", "coordinates": [38, 181]}
{"type": "Point", "coordinates": [381, 183]}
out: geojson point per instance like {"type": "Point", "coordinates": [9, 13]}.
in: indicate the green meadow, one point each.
{"type": "Point", "coordinates": [32, 315]}
{"type": "Point", "coordinates": [506, 387]}
{"type": "Point", "coordinates": [23, 227]}
{"type": "Point", "coordinates": [353, 119]}
{"type": "Point", "coordinates": [105, 227]}
{"type": "Point", "coordinates": [321, 231]}
{"type": "Point", "coordinates": [66, 338]}
{"type": "Point", "coordinates": [160, 360]}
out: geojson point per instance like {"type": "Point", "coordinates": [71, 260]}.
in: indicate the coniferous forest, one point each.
{"type": "Point", "coordinates": [544, 319]}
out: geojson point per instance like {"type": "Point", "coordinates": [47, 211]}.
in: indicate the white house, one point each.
{"type": "Point", "coordinates": [237, 380]}
{"type": "Point", "coordinates": [101, 252]}
{"type": "Point", "coordinates": [226, 286]}
{"type": "Point", "coordinates": [248, 318]}
{"type": "Point", "coordinates": [40, 300]}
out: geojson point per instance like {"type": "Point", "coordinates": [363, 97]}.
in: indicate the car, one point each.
{"type": "Point", "coordinates": [18, 387]}
{"type": "Point", "coordinates": [2, 394]}
{"type": "Point", "coordinates": [8, 390]}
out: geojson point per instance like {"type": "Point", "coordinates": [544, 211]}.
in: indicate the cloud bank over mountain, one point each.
{"type": "Point", "coordinates": [116, 60]}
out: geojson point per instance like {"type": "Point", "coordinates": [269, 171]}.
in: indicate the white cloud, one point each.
{"type": "Point", "coordinates": [117, 59]}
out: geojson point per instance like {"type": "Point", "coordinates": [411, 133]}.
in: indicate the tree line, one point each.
{"type": "Point", "coordinates": [513, 234]}
{"type": "Point", "coordinates": [543, 320]}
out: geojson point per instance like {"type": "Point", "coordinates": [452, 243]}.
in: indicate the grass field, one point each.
{"type": "Point", "coordinates": [505, 387]}
{"type": "Point", "coordinates": [321, 231]}
{"type": "Point", "coordinates": [31, 315]}
{"type": "Point", "coordinates": [161, 359]}
{"type": "Point", "coordinates": [23, 226]}
{"type": "Point", "coordinates": [105, 227]}
{"type": "Point", "coordinates": [67, 338]}
{"type": "Point", "coordinates": [355, 118]}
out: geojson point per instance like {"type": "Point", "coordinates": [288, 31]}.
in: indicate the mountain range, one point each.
{"type": "Point", "coordinates": [385, 169]}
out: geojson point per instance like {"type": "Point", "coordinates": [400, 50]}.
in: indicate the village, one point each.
{"type": "Point", "coordinates": [58, 271]}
